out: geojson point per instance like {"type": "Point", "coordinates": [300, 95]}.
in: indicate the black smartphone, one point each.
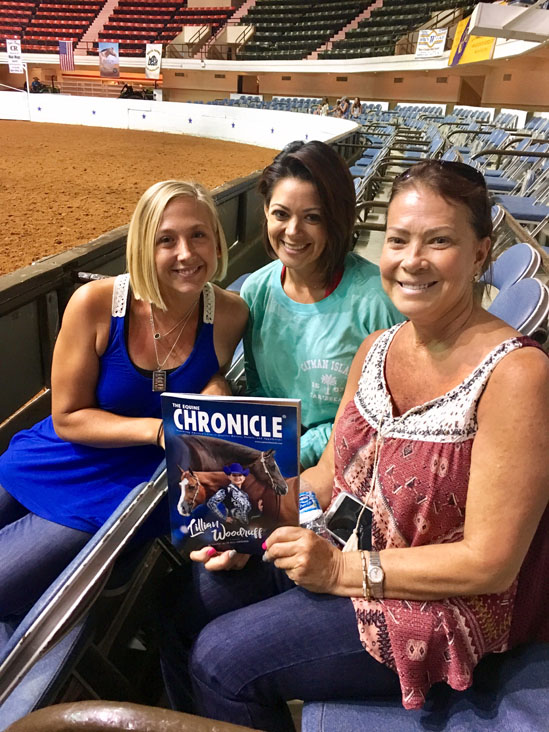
{"type": "Point", "coordinates": [342, 516]}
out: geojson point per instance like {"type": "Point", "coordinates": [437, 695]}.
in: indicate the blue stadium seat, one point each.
{"type": "Point", "coordinates": [524, 305]}
{"type": "Point", "coordinates": [519, 261]}
{"type": "Point", "coordinates": [509, 694]}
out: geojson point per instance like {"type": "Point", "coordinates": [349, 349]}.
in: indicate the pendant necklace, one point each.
{"type": "Point", "coordinates": [157, 335]}
{"type": "Point", "coordinates": [159, 377]}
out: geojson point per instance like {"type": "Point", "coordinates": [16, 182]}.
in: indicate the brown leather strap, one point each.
{"type": "Point", "coordinates": [104, 716]}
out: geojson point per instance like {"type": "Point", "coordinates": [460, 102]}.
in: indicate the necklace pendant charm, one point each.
{"type": "Point", "coordinates": [159, 380]}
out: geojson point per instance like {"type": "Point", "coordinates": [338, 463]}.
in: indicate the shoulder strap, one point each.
{"type": "Point", "coordinates": [120, 295]}
{"type": "Point", "coordinates": [209, 302]}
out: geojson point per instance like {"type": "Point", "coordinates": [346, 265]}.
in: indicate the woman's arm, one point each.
{"type": "Point", "coordinates": [508, 492]}
{"type": "Point", "coordinates": [320, 478]}
{"type": "Point", "coordinates": [75, 370]}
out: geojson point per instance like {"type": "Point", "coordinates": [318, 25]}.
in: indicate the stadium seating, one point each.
{"type": "Point", "coordinates": [378, 34]}
{"type": "Point", "coordinates": [59, 20]}
{"type": "Point", "coordinates": [133, 24]}
{"type": "Point", "coordinates": [292, 30]}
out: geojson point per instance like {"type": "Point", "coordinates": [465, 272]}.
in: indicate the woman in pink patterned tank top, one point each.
{"type": "Point", "coordinates": [443, 430]}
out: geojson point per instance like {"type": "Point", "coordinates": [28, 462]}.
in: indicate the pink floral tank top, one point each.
{"type": "Point", "coordinates": [419, 498]}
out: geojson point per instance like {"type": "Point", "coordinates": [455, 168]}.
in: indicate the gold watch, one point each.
{"type": "Point", "coordinates": [376, 575]}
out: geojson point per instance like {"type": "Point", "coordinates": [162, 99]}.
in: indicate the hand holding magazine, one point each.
{"type": "Point", "coordinates": [233, 469]}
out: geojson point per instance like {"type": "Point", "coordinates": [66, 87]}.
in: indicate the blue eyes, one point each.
{"type": "Point", "coordinates": [168, 241]}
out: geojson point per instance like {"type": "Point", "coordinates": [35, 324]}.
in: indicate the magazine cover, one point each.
{"type": "Point", "coordinates": [233, 469]}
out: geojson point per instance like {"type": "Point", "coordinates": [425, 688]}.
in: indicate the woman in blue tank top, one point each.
{"type": "Point", "coordinates": [123, 341]}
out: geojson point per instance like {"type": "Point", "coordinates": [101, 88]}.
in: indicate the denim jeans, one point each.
{"type": "Point", "coordinates": [247, 641]}
{"type": "Point", "coordinates": [33, 552]}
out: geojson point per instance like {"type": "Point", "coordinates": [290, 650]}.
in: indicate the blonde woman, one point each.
{"type": "Point", "coordinates": [163, 326]}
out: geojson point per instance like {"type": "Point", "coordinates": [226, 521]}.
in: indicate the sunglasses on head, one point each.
{"type": "Point", "coordinates": [462, 169]}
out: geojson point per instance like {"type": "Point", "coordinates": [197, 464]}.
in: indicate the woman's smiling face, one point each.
{"type": "Point", "coordinates": [186, 250]}
{"type": "Point", "coordinates": [430, 255]}
{"type": "Point", "coordinates": [295, 225]}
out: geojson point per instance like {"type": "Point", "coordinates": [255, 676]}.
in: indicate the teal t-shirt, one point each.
{"type": "Point", "coordinates": [304, 351]}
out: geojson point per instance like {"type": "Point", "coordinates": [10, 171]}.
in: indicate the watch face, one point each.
{"type": "Point", "coordinates": [376, 574]}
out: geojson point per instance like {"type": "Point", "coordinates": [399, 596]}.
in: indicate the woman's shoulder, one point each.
{"type": "Point", "coordinates": [360, 267]}
{"type": "Point", "coordinates": [517, 387]}
{"type": "Point", "coordinates": [230, 306]}
{"type": "Point", "coordinates": [260, 280]}
{"type": "Point", "coordinates": [522, 362]}
{"type": "Point", "coordinates": [362, 277]}
{"type": "Point", "coordinates": [93, 298]}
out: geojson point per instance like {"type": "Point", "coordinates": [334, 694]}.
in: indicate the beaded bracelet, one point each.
{"type": "Point", "coordinates": [159, 433]}
{"type": "Point", "coordinates": [365, 585]}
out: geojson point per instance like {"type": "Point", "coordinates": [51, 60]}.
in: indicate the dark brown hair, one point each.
{"type": "Point", "coordinates": [456, 183]}
{"type": "Point", "coordinates": [319, 164]}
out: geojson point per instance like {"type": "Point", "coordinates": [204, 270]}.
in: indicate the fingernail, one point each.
{"type": "Point", "coordinates": [264, 546]}
{"type": "Point", "coordinates": [232, 553]}
{"type": "Point", "coordinates": [211, 551]}
{"type": "Point", "coordinates": [264, 558]}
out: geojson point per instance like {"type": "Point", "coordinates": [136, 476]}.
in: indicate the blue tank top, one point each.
{"type": "Point", "coordinates": [78, 485]}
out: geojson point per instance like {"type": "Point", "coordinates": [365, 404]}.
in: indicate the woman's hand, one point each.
{"type": "Point", "coordinates": [310, 561]}
{"type": "Point", "coordinates": [215, 561]}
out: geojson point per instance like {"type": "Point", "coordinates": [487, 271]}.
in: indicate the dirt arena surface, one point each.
{"type": "Point", "coordinates": [63, 185]}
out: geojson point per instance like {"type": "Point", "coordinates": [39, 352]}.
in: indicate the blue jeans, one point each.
{"type": "Point", "coordinates": [33, 552]}
{"type": "Point", "coordinates": [249, 640]}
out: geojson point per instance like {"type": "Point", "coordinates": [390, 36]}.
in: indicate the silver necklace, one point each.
{"type": "Point", "coordinates": [157, 335]}
{"type": "Point", "coordinates": [159, 377]}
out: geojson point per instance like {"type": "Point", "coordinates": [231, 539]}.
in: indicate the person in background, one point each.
{"type": "Point", "coordinates": [123, 340]}
{"type": "Point", "coordinates": [343, 108]}
{"type": "Point", "coordinates": [311, 308]}
{"type": "Point", "coordinates": [324, 108]}
{"type": "Point", "coordinates": [36, 85]}
{"type": "Point", "coordinates": [356, 108]}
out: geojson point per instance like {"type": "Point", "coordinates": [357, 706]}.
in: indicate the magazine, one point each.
{"type": "Point", "coordinates": [233, 469]}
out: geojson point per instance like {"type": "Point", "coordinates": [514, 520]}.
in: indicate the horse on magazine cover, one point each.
{"type": "Point", "coordinates": [205, 454]}
{"type": "Point", "coordinates": [199, 460]}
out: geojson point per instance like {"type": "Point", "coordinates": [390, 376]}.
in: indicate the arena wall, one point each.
{"type": "Point", "coordinates": [250, 126]}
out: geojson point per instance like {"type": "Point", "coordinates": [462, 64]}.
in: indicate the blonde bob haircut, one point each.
{"type": "Point", "coordinates": [141, 243]}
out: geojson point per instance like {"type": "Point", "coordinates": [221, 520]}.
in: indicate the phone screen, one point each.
{"type": "Point", "coordinates": [342, 523]}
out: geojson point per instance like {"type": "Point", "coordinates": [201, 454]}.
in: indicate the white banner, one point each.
{"type": "Point", "coordinates": [431, 42]}
{"type": "Point", "coordinates": [15, 61]}
{"type": "Point", "coordinates": [153, 60]}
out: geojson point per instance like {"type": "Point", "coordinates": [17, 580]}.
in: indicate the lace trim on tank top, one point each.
{"type": "Point", "coordinates": [120, 298]}
{"type": "Point", "coordinates": [447, 418]}
{"type": "Point", "coordinates": [120, 295]}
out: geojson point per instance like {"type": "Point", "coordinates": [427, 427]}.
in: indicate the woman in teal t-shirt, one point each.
{"type": "Point", "coordinates": [311, 308]}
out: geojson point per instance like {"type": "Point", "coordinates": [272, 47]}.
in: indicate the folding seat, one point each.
{"type": "Point", "coordinates": [514, 264]}
{"type": "Point", "coordinates": [525, 306]}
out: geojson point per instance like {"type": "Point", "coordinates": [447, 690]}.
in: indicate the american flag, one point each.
{"type": "Point", "coordinates": [66, 56]}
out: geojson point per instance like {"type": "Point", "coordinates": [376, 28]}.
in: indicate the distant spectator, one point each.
{"type": "Point", "coordinates": [323, 108]}
{"type": "Point", "coordinates": [343, 108]}
{"type": "Point", "coordinates": [356, 108]}
{"type": "Point", "coordinates": [36, 85]}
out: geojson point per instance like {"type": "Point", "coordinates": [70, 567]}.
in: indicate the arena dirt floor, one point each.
{"type": "Point", "coordinates": [63, 185]}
